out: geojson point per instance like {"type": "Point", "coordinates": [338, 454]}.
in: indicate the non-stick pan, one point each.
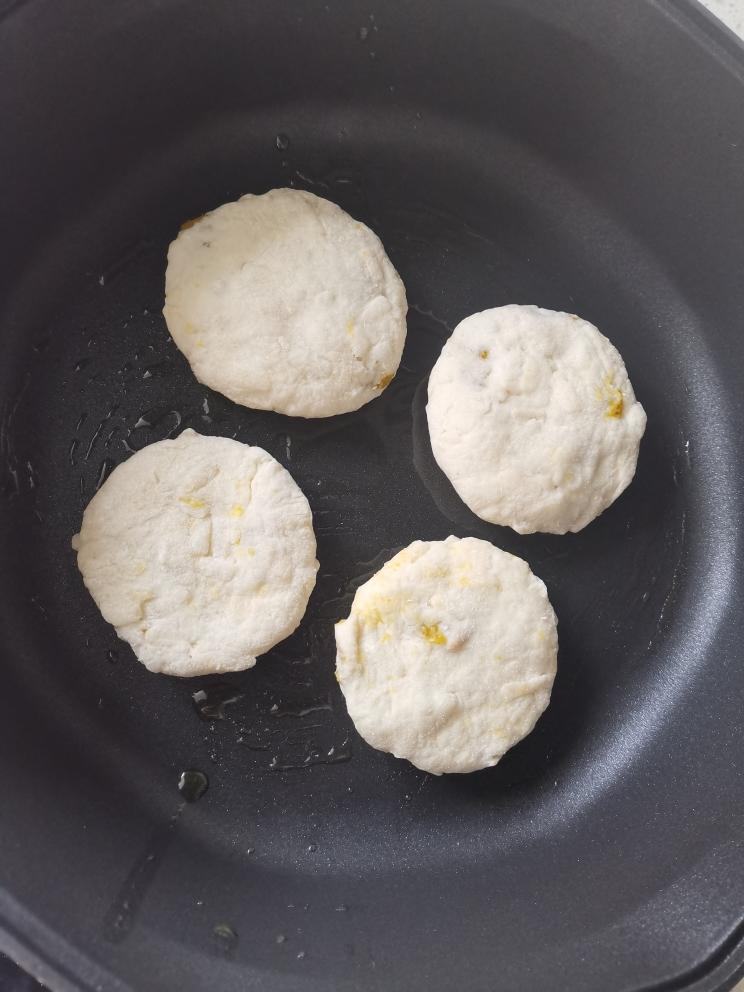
{"type": "Point", "coordinates": [584, 156]}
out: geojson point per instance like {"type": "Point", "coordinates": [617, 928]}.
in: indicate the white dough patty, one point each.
{"type": "Point", "coordinates": [284, 302]}
{"type": "Point", "coordinates": [449, 654]}
{"type": "Point", "coordinates": [201, 552]}
{"type": "Point", "coordinates": [533, 419]}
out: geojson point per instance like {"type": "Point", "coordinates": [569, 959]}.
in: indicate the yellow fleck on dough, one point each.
{"type": "Point", "coordinates": [237, 510]}
{"type": "Point", "coordinates": [195, 504]}
{"type": "Point", "coordinates": [432, 633]}
{"type": "Point", "coordinates": [615, 406]}
{"type": "Point", "coordinates": [385, 381]}
{"type": "Point", "coordinates": [372, 617]}
{"type": "Point", "coordinates": [349, 326]}
{"type": "Point", "coordinates": [612, 396]}
{"type": "Point", "coordinates": [484, 354]}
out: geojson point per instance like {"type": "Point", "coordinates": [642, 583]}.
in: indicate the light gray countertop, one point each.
{"type": "Point", "coordinates": [731, 12]}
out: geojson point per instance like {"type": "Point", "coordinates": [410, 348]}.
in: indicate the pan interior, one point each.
{"type": "Point", "coordinates": [312, 857]}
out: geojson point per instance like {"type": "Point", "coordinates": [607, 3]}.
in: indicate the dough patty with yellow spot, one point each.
{"type": "Point", "coordinates": [284, 302]}
{"type": "Point", "coordinates": [448, 655]}
{"type": "Point", "coordinates": [533, 419]}
{"type": "Point", "coordinates": [201, 552]}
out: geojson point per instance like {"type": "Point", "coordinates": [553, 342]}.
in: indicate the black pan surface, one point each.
{"type": "Point", "coordinates": [581, 155]}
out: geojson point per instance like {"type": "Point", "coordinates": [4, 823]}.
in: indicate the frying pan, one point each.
{"type": "Point", "coordinates": [583, 156]}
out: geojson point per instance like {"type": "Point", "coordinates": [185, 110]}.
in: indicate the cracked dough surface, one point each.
{"type": "Point", "coordinates": [448, 655]}
{"type": "Point", "coordinates": [201, 552]}
{"type": "Point", "coordinates": [284, 302]}
{"type": "Point", "coordinates": [533, 419]}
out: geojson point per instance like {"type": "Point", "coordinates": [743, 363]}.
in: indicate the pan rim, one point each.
{"type": "Point", "coordinates": [71, 971]}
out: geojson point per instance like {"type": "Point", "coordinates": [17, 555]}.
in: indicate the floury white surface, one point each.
{"type": "Point", "coordinates": [533, 419]}
{"type": "Point", "coordinates": [449, 654]}
{"type": "Point", "coordinates": [284, 302]}
{"type": "Point", "coordinates": [201, 552]}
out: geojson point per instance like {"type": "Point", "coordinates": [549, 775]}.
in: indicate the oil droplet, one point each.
{"type": "Point", "coordinates": [210, 702]}
{"type": "Point", "coordinates": [317, 707]}
{"type": "Point", "coordinates": [225, 939]}
{"type": "Point", "coordinates": [157, 369]}
{"type": "Point", "coordinates": [341, 908]}
{"type": "Point", "coordinates": [363, 32]}
{"type": "Point", "coordinates": [107, 467]}
{"type": "Point", "coordinates": [280, 938]}
{"type": "Point", "coordinates": [121, 917]}
{"type": "Point", "coordinates": [192, 785]}
{"type": "Point", "coordinates": [312, 848]}
{"type": "Point", "coordinates": [282, 142]}
{"type": "Point", "coordinates": [300, 955]}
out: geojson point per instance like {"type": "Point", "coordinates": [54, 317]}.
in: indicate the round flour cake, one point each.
{"type": "Point", "coordinates": [533, 419]}
{"type": "Point", "coordinates": [201, 552]}
{"type": "Point", "coordinates": [284, 302]}
{"type": "Point", "coordinates": [449, 654]}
